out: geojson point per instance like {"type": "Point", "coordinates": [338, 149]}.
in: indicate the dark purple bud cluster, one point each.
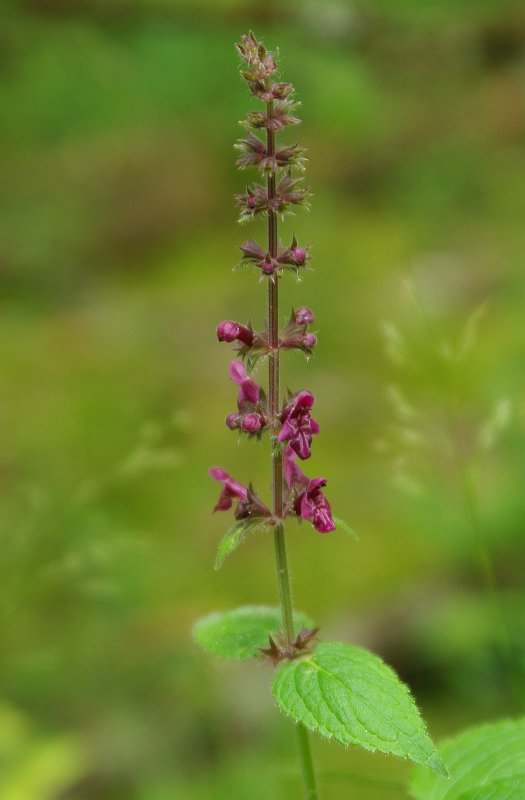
{"type": "Point", "coordinates": [296, 334]}
{"type": "Point", "coordinates": [293, 257]}
{"type": "Point", "coordinates": [255, 154]}
{"type": "Point", "coordinates": [256, 200]}
{"type": "Point", "coordinates": [291, 426]}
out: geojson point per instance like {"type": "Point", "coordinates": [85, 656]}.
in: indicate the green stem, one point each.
{"type": "Point", "coordinates": [283, 579]}
{"type": "Point", "coordinates": [307, 764]}
{"type": "Point", "coordinates": [283, 576]}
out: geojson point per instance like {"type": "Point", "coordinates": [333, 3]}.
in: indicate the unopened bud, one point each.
{"type": "Point", "coordinates": [251, 423]}
{"type": "Point", "coordinates": [233, 421]}
{"type": "Point", "coordinates": [304, 316]}
{"type": "Point", "coordinates": [229, 331]}
{"type": "Point", "coordinates": [299, 255]}
{"type": "Point", "coordinates": [309, 340]}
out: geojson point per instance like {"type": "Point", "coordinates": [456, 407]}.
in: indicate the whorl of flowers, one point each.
{"type": "Point", "coordinates": [291, 426]}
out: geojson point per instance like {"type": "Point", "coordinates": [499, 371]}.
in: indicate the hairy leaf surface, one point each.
{"type": "Point", "coordinates": [486, 763]}
{"type": "Point", "coordinates": [235, 536]}
{"type": "Point", "coordinates": [350, 694]}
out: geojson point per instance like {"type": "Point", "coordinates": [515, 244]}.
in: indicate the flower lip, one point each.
{"type": "Point", "coordinates": [231, 489]}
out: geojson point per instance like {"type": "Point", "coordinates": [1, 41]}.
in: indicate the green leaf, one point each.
{"type": "Point", "coordinates": [506, 789]}
{"type": "Point", "coordinates": [239, 634]}
{"type": "Point", "coordinates": [344, 526]}
{"type": "Point", "coordinates": [349, 694]}
{"type": "Point", "coordinates": [235, 536]}
{"type": "Point", "coordinates": [486, 762]}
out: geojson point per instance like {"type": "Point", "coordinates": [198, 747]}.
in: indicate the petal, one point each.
{"type": "Point", "coordinates": [301, 444]}
{"type": "Point", "coordinates": [218, 474]}
{"type": "Point", "coordinates": [322, 519]}
{"type": "Point", "coordinates": [224, 502]}
{"type": "Point", "coordinates": [307, 506]}
{"type": "Point", "coordinates": [237, 372]}
{"type": "Point", "coordinates": [249, 391]}
{"type": "Point", "coordinates": [314, 426]}
{"type": "Point", "coordinates": [288, 431]}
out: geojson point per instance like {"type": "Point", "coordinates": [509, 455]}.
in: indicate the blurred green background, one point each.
{"type": "Point", "coordinates": [117, 242]}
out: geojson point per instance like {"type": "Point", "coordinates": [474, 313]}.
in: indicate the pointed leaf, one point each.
{"type": "Point", "coordinates": [235, 536]}
{"type": "Point", "coordinates": [350, 694]}
{"type": "Point", "coordinates": [478, 759]}
{"type": "Point", "coordinates": [344, 526]}
{"type": "Point", "coordinates": [239, 634]}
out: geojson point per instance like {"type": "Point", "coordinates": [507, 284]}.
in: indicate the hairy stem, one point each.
{"type": "Point", "coordinates": [283, 576]}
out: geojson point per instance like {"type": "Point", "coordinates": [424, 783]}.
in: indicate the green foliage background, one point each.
{"type": "Point", "coordinates": [117, 241]}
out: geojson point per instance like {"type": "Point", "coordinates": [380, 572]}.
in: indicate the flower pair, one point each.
{"type": "Point", "coordinates": [305, 499]}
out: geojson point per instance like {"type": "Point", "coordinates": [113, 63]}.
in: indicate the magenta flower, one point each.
{"type": "Point", "coordinates": [229, 331]}
{"type": "Point", "coordinates": [314, 506]}
{"type": "Point", "coordinates": [305, 497]}
{"type": "Point", "coordinates": [249, 504]}
{"type": "Point", "coordinates": [248, 389]}
{"type": "Point", "coordinates": [231, 489]}
{"type": "Point", "coordinates": [298, 427]}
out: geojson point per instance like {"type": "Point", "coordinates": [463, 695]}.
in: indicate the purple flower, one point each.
{"type": "Point", "coordinates": [305, 495]}
{"type": "Point", "coordinates": [298, 427]}
{"type": "Point", "coordinates": [249, 504]}
{"type": "Point", "coordinates": [313, 505]}
{"type": "Point", "coordinates": [248, 389]}
{"type": "Point", "coordinates": [229, 331]}
{"type": "Point", "coordinates": [305, 315]}
{"type": "Point", "coordinates": [230, 490]}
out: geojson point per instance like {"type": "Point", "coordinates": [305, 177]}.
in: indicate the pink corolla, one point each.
{"type": "Point", "coordinates": [314, 506]}
{"type": "Point", "coordinates": [298, 427]}
{"type": "Point", "coordinates": [249, 504]}
{"type": "Point", "coordinates": [309, 502]}
{"type": "Point", "coordinates": [248, 389]}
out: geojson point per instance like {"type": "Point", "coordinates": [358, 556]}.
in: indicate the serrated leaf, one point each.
{"type": "Point", "coordinates": [476, 759]}
{"type": "Point", "coordinates": [239, 634]}
{"type": "Point", "coordinates": [349, 694]}
{"type": "Point", "coordinates": [344, 526]}
{"type": "Point", "coordinates": [506, 789]}
{"type": "Point", "coordinates": [234, 537]}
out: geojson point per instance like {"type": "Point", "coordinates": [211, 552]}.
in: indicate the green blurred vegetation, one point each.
{"type": "Point", "coordinates": [117, 241]}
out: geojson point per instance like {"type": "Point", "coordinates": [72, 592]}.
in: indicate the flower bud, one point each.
{"type": "Point", "coordinates": [251, 423]}
{"type": "Point", "coordinates": [299, 255]}
{"type": "Point", "coordinates": [304, 316]}
{"type": "Point", "coordinates": [268, 265]}
{"type": "Point", "coordinates": [233, 421]}
{"type": "Point", "coordinates": [309, 340]}
{"type": "Point", "coordinates": [229, 331]}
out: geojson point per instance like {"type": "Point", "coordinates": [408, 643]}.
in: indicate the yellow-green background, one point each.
{"type": "Point", "coordinates": [117, 242]}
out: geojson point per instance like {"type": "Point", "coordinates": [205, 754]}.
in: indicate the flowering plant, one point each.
{"type": "Point", "coordinates": [338, 690]}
